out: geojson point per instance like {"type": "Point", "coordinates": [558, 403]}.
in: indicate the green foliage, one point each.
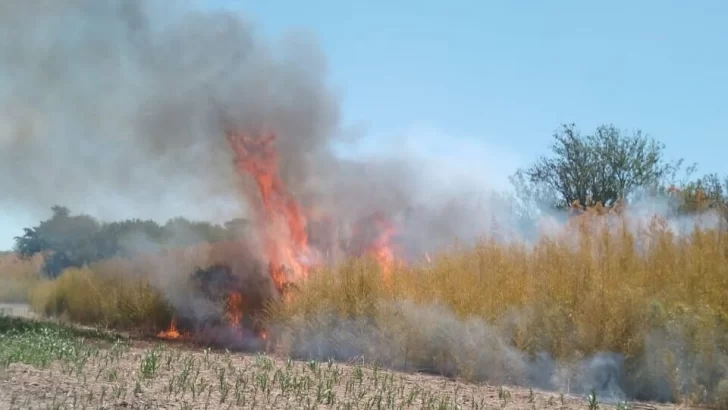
{"type": "Point", "coordinates": [72, 240]}
{"type": "Point", "coordinates": [599, 168]}
{"type": "Point", "coordinates": [40, 343]}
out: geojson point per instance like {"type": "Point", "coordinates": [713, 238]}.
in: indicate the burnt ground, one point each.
{"type": "Point", "coordinates": [44, 366]}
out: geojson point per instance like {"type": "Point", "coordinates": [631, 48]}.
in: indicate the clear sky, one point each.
{"type": "Point", "coordinates": [493, 79]}
{"type": "Point", "coordinates": [483, 84]}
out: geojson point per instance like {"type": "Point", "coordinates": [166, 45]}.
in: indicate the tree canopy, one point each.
{"type": "Point", "coordinates": [599, 168]}
{"type": "Point", "coordinates": [69, 240]}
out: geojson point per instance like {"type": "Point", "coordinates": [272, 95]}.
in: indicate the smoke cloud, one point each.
{"type": "Point", "coordinates": [116, 105]}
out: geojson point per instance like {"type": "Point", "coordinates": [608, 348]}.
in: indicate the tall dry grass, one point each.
{"type": "Point", "coordinates": [128, 293]}
{"type": "Point", "coordinates": [600, 284]}
{"type": "Point", "coordinates": [588, 288]}
{"type": "Point", "coordinates": [90, 295]}
{"type": "Point", "coordinates": [17, 277]}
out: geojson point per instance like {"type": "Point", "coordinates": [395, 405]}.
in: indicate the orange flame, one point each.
{"type": "Point", "coordinates": [283, 227]}
{"type": "Point", "coordinates": [172, 332]}
{"type": "Point", "coordinates": [381, 248]}
{"type": "Point", "coordinates": [377, 233]}
{"type": "Point", "coordinates": [234, 311]}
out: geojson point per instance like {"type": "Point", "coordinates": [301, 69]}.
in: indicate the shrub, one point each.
{"type": "Point", "coordinates": [102, 294]}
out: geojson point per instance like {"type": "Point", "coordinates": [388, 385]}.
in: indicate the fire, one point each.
{"type": "Point", "coordinates": [234, 311]}
{"type": "Point", "coordinates": [171, 332]}
{"type": "Point", "coordinates": [375, 236]}
{"type": "Point", "coordinates": [283, 229]}
{"type": "Point", "coordinates": [381, 248]}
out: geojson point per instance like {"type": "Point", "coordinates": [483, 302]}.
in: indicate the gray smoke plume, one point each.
{"type": "Point", "coordinates": [111, 106]}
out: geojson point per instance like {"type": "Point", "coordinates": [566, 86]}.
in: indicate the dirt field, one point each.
{"type": "Point", "coordinates": [47, 366]}
{"type": "Point", "coordinates": [150, 378]}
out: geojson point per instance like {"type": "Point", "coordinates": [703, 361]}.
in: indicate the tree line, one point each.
{"type": "Point", "coordinates": [69, 240]}
{"type": "Point", "coordinates": [606, 167]}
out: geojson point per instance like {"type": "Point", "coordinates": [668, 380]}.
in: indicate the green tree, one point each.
{"type": "Point", "coordinates": [69, 241]}
{"type": "Point", "coordinates": [602, 167]}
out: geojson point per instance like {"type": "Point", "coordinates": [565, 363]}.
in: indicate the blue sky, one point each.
{"type": "Point", "coordinates": [481, 85]}
{"type": "Point", "coordinates": [492, 80]}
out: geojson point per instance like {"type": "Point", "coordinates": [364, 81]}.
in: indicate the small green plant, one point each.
{"type": "Point", "coordinates": [150, 364]}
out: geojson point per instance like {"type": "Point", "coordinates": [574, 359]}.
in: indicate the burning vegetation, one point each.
{"type": "Point", "coordinates": [282, 228]}
{"type": "Point", "coordinates": [282, 223]}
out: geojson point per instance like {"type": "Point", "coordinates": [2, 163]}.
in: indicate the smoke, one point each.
{"type": "Point", "coordinates": [432, 339]}
{"type": "Point", "coordinates": [113, 108]}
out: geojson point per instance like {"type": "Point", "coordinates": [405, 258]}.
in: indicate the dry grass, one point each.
{"type": "Point", "coordinates": [119, 301]}
{"type": "Point", "coordinates": [18, 277]}
{"type": "Point", "coordinates": [601, 286]}
{"type": "Point", "coordinates": [124, 293]}
{"type": "Point", "coordinates": [597, 285]}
